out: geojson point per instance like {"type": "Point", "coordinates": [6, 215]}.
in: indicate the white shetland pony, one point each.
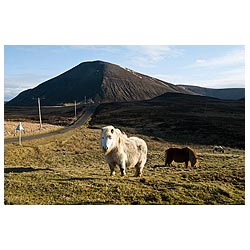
{"type": "Point", "coordinates": [123, 151]}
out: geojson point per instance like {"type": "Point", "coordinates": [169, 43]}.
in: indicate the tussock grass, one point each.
{"type": "Point", "coordinates": [31, 128]}
{"type": "Point", "coordinates": [70, 169]}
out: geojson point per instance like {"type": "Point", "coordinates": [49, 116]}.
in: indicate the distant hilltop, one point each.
{"type": "Point", "coordinates": [100, 82]}
{"type": "Point", "coordinates": [226, 94]}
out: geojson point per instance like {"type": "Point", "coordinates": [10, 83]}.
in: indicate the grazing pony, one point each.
{"type": "Point", "coordinates": [218, 149]}
{"type": "Point", "coordinates": [124, 151]}
{"type": "Point", "coordinates": [181, 155]}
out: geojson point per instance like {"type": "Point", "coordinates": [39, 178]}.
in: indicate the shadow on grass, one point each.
{"type": "Point", "coordinates": [80, 179]}
{"type": "Point", "coordinates": [24, 170]}
{"type": "Point", "coordinates": [99, 178]}
{"type": "Point", "coordinates": [77, 179]}
{"type": "Point", "coordinates": [95, 203]}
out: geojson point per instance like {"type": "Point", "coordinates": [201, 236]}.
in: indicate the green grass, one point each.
{"type": "Point", "coordinates": [70, 169]}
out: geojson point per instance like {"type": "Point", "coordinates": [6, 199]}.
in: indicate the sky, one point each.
{"type": "Point", "coordinates": [212, 66]}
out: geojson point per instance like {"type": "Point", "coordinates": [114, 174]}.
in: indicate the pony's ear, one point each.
{"type": "Point", "coordinates": [112, 131]}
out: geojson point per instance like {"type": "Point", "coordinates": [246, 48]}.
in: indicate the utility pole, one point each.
{"type": "Point", "coordinates": [75, 110]}
{"type": "Point", "coordinates": [39, 111]}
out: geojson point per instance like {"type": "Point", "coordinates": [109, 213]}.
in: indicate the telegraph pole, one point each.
{"type": "Point", "coordinates": [39, 111]}
{"type": "Point", "coordinates": [75, 110]}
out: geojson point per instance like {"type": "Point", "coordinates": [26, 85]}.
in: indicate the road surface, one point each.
{"type": "Point", "coordinates": [89, 111]}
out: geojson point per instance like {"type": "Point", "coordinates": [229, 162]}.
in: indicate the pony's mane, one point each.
{"type": "Point", "coordinates": [122, 136]}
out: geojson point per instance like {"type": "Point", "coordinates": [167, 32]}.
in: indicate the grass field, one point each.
{"type": "Point", "coordinates": [30, 128]}
{"type": "Point", "coordinates": [70, 169]}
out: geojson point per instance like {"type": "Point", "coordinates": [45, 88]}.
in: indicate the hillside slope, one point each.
{"type": "Point", "coordinates": [179, 118]}
{"type": "Point", "coordinates": [226, 94]}
{"type": "Point", "coordinates": [97, 81]}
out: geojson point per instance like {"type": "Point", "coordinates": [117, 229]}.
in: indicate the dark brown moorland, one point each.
{"type": "Point", "coordinates": [179, 118]}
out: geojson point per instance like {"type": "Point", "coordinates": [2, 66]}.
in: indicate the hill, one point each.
{"type": "Point", "coordinates": [227, 93]}
{"type": "Point", "coordinates": [97, 81]}
{"type": "Point", "coordinates": [179, 118]}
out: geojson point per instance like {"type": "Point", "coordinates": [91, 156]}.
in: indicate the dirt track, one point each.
{"type": "Point", "coordinates": [89, 111]}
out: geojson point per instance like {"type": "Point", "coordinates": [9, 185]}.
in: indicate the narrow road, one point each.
{"type": "Point", "coordinates": [89, 111]}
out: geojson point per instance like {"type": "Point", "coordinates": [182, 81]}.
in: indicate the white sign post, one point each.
{"type": "Point", "coordinates": [20, 128]}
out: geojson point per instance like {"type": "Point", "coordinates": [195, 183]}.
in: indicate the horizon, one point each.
{"type": "Point", "coordinates": [207, 66]}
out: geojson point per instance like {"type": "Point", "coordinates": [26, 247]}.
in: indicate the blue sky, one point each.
{"type": "Point", "coordinates": [207, 66]}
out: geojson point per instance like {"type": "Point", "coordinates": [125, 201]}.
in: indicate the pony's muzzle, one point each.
{"type": "Point", "coordinates": [105, 148]}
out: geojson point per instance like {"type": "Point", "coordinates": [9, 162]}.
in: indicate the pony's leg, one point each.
{"type": "Point", "coordinates": [186, 164]}
{"type": "Point", "coordinates": [192, 163]}
{"type": "Point", "coordinates": [195, 164]}
{"type": "Point", "coordinates": [112, 169]}
{"type": "Point", "coordinates": [138, 169]}
{"type": "Point", "coordinates": [122, 169]}
{"type": "Point", "coordinates": [122, 166]}
{"type": "Point", "coordinates": [168, 163]}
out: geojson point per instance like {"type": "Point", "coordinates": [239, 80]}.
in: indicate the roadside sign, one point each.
{"type": "Point", "coordinates": [20, 128]}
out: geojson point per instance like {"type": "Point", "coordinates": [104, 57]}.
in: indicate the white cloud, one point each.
{"type": "Point", "coordinates": [12, 90]}
{"type": "Point", "coordinates": [236, 57]}
{"type": "Point", "coordinates": [171, 78]}
{"type": "Point", "coordinates": [233, 78]}
{"type": "Point", "coordinates": [138, 55]}
{"type": "Point", "coordinates": [97, 48]}
{"type": "Point", "coordinates": [227, 79]}
{"type": "Point", "coordinates": [149, 55]}
{"type": "Point", "coordinates": [222, 83]}
{"type": "Point", "coordinates": [25, 79]}
{"type": "Point", "coordinates": [200, 61]}
{"type": "Point", "coordinates": [219, 72]}
{"type": "Point", "coordinates": [157, 53]}
{"type": "Point", "coordinates": [17, 83]}
{"type": "Point", "coordinates": [10, 93]}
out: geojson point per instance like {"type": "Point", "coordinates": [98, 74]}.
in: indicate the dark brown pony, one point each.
{"type": "Point", "coordinates": [181, 155]}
